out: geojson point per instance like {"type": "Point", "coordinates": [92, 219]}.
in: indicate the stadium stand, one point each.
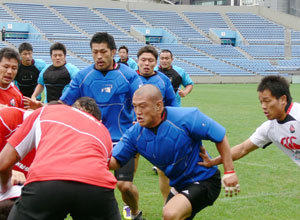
{"type": "Point", "coordinates": [263, 53]}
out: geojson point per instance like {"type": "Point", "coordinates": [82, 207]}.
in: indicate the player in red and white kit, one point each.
{"type": "Point", "coordinates": [70, 171]}
{"type": "Point", "coordinates": [9, 93]}
{"type": "Point", "coordinates": [282, 128]}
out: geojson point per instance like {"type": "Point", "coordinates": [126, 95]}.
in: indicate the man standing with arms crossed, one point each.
{"type": "Point", "coordinates": [171, 138]}
{"type": "Point", "coordinates": [112, 86]}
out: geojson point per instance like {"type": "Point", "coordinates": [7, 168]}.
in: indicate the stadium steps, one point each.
{"type": "Point", "coordinates": [109, 21]}
{"type": "Point", "coordinates": [187, 20]}
{"type": "Point", "coordinates": [67, 21]}
{"type": "Point", "coordinates": [140, 18]}
{"type": "Point", "coordinates": [9, 11]}
{"type": "Point", "coordinates": [287, 44]}
{"type": "Point", "coordinates": [232, 27]}
{"type": "Point", "coordinates": [197, 66]}
{"type": "Point", "coordinates": [247, 55]}
{"type": "Point", "coordinates": [224, 61]}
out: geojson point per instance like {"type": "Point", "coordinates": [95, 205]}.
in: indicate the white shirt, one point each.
{"type": "Point", "coordinates": [285, 135]}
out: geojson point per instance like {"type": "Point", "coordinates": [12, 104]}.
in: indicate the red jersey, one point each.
{"type": "Point", "coordinates": [10, 120]}
{"type": "Point", "coordinates": [70, 145]}
{"type": "Point", "coordinates": [11, 96]}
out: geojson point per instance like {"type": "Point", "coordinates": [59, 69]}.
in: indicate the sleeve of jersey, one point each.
{"type": "Point", "coordinates": [72, 93]}
{"type": "Point", "coordinates": [135, 82]}
{"type": "Point", "coordinates": [41, 76]}
{"type": "Point", "coordinates": [126, 147]}
{"type": "Point", "coordinates": [186, 79]}
{"type": "Point", "coordinates": [203, 127]}
{"type": "Point", "coordinates": [170, 97]}
{"type": "Point", "coordinates": [39, 64]}
{"type": "Point", "coordinates": [260, 136]}
{"type": "Point", "coordinates": [73, 70]}
{"type": "Point", "coordinates": [24, 139]}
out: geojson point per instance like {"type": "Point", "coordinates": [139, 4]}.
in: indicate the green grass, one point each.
{"type": "Point", "coordinates": [270, 181]}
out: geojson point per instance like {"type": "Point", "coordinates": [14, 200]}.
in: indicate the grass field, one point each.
{"type": "Point", "coordinates": [270, 181]}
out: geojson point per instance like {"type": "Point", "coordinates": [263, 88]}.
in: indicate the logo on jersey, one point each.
{"type": "Point", "coordinates": [288, 142]}
{"type": "Point", "coordinates": [12, 102]}
{"type": "Point", "coordinates": [107, 89]}
{"type": "Point", "coordinates": [292, 129]}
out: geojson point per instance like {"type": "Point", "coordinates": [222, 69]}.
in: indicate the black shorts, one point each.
{"type": "Point", "coordinates": [50, 200]}
{"type": "Point", "coordinates": [201, 194]}
{"type": "Point", "coordinates": [126, 172]}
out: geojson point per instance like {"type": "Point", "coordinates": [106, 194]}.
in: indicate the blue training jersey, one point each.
{"type": "Point", "coordinates": [112, 92]}
{"type": "Point", "coordinates": [164, 84]}
{"type": "Point", "coordinates": [174, 146]}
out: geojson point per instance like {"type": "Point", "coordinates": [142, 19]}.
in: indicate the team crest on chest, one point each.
{"type": "Point", "coordinates": [292, 129]}
{"type": "Point", "coordinates": [107, 88]}
{"type": "Point", "coordinates": [12, 102]}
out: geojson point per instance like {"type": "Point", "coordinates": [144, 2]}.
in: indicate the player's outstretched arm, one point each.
{"type": "Point", "coordinates": [237, 152]}
{"type": "Point", "coordinates": [8, 157]}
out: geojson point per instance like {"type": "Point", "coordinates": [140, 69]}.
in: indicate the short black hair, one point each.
{"type": "Point", "coordinates": [277, 85]}
{"type": "Point", "coordinates": [9, 53]}
{"type": "Point", "coordinates": [104, 37]}
{"type": "Point", "coordinates": [58, 46]}
{"type": "Point", "coordinates": [123, 47]}
{"type": "Point", "coordinates": [25, 46]}
{"type": "Point", "coordinates": [148, 49]}
{"type": "Point", "coordinates": [88, 105]}
{"type": "Point", "coordinates": [166, 51]}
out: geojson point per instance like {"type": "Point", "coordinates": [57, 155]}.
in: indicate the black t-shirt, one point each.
{"type": "Point", "coordinates": [26, 78]}
{"type": "Point", "coordinates": [55, 79]}
{"type": "Point", "coordinates": [174, 77]}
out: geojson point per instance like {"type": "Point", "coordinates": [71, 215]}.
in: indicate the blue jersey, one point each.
{"type": "Point", "coordinates": [112, 92]}
{"type": "Point", "coordinates": [164, 84]}
{"type": "Point", "coordinates": [58, 77]}
{"type": "Point", "coordinates": [174, 145]}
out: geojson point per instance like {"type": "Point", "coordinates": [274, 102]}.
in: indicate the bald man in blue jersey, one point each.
{"type": "Point", "coordinates": [171, 138]}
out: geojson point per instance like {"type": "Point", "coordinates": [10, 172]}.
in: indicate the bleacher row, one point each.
{"type": "Point", "coordinates": [195, 51]}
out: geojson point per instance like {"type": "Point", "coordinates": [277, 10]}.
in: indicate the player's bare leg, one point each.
{"type": "Point", "coordinates": [177, 208]}
{"type": "Point", "coordinates": [164, 185]}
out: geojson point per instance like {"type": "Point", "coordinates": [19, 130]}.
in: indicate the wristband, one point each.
{"type": "Point", "coordinates": [229, 172]}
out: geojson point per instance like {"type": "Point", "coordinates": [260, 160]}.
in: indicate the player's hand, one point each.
{"type": "Point", "coordinates": [17, 178]}
{"type": "Point", "coordinates": [181, 93]}
{"type": "Point", "coordinates": [207, 162]}
{"type": "Point", "coordinates": [30, 103]}
{"type": "Point", "coordinates": [231, 184]}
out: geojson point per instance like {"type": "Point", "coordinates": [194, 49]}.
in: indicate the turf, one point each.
{"type": "Point", "coordinates": [270, 181]}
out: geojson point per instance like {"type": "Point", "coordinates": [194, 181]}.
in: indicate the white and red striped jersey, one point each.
{"type": "Point", "coordinates": [11, 96]}
{"type": "Point", "coordinates": [284, 134]}
{"type": "Point", "coordinates": [70, 145]}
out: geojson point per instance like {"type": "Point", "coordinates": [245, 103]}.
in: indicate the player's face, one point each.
{"type": "Point", "coordinates": [123, 54]}
{"type": "Point", "coordinates": [165, 60]}
{"type": "Point", "coordinates": [147, 63]}
{"type": "Point", "coordinates": [8, 71]}
{"type": "Point", "coordinates": [26, 56]}
{"type": "Point", "coordinates": [103, 56]}
{"type": "Point", "coordinates": [58, 58]}
{"type": "Point", "coordinates": [272, 107]}
{"type": "Point", "coordinates": [147, 112]}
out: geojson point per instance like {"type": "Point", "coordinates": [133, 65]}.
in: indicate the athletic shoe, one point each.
{"type": "Point", "coordinates": [154, 168]}
{"type": "Point", "coordinates": [126, 212]}
{"type": "Point", "coordinates": [139, 216]}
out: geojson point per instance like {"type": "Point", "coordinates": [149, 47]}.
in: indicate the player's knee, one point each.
{"type": "Point", "coordinates": [124, 186]}
{"type": "Point", "coordinates": [169, 214]}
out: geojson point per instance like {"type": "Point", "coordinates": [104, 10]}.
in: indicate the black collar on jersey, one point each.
{"type": "Point", "coordinates": [147, 77]}
{"type": "Point", "coordinates": [163, 118]}
{"type": "Point", "coordinates": [115, 66]}
{"type": "Point", "coordinates": [288, 116]}
{"type": "Point", "coordinates": [120, 61]}
{"type": "Point", "coordinates": [164, 69]}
